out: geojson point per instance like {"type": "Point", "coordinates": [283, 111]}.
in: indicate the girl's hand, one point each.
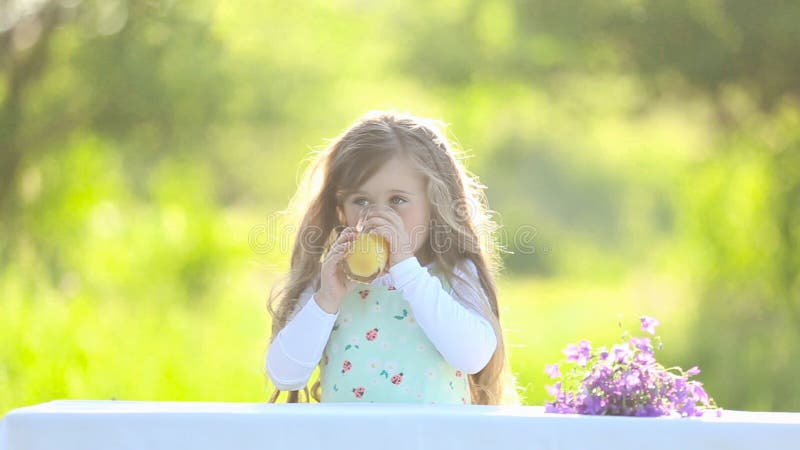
{"type": "Point", "coordinates": [387, 223]}
{"type": "Point", "coordinates": [333, 284]}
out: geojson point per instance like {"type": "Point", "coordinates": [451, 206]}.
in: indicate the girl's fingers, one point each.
{"type": "Point", "coordinates": [338, 252]}
{"type": "Point", "coordinates": [395, 219]}
{"type": "Point", "coordinates": [374, 222]}
{"type": "Point", "coordinates": [340, 248]}
{"type": "Point", "coordinates": [346, 234]}
{"type": "Point", "coordinates": [389, 215]}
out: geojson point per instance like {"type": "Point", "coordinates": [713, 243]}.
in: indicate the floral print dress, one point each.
{"type": "Point", "coordinates": [378, 353]}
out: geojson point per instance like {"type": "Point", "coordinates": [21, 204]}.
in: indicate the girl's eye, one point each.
{"type": "Point", "coordinates": [361, 201]}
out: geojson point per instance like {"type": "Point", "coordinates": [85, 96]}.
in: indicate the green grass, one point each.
{"type": "Point", "coordinates": [540, 317]}
{"type": "Point", "coordinates": [53, 346]}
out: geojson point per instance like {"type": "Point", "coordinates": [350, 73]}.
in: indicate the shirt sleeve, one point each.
{"type": "Point", "coordinates": [463, 337]}
{"type": "Point", "coordinates": [297, 348]}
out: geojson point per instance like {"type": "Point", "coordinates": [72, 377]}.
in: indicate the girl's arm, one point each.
{"type": "Point", "coordinates": [298, 347]}
{"type": "Point", "coordinates": [464, 338]}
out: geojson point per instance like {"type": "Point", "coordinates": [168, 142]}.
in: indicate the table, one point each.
{"type": "Point", "coordinates": [111, 424]}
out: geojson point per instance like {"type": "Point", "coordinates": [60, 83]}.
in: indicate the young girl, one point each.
{"type": "Point", "coordinates": [427, 329]}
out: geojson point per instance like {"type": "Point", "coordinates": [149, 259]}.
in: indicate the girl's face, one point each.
{"type": "Point", "coordinates": [398, 185]}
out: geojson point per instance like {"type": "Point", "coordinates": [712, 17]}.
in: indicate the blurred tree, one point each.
{"type": "Point", "coordinates": [146, 75]}
{"type": "Point", "coordinates": [706, 46]}
{"type": "Point", "coordinates": [112, 91]}
{"type": "Point", "coordinates": [24, 48]}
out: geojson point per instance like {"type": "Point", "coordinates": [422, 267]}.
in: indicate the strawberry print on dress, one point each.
{"type": "Point", "coordinates": [372, 334]}
{"type": "Point", "coordinates": [359, 392]}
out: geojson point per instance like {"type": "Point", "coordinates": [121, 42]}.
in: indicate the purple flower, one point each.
{"type": "Point", "coordinates": [690, 409]}
{"type": "Point", "coordinates": [645, 358]}
{"type": "Point", "coordinates": [621, 352]}
{"type": "Point", "coordinates": [552, 370]}
{"type": "Point", "coordinates": [625, 380]}
{"type": "Point", "coordinates": [600, 377]}
{"type": "Point", "coordinates": [679, 393]}
{"type": "Point", "coordinates": [631, 380]}
{"type": "Point", "coordinates": [646, 411]}
{"type": "Point", "coordinates": [698, 393]}
{"type": "Point", "coordinates": [693, 371]}
{"type": "Point", "coordinates": [593, 404]}
{"type": "Point", "coordinates": [649, 324]}
{"type": "Point", "coordinates": [642, 344]}
{"type": "Point", "coordinates": [579, 353]}
{"type": "Point", "coordinates": [554, 390]}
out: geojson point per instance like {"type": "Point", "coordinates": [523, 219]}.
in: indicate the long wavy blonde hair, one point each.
{"type": "Point", "coordinates": [459, 215]}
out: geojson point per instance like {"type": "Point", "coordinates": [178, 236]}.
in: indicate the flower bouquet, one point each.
{"type": "Point", "coordinates": [625, 380]}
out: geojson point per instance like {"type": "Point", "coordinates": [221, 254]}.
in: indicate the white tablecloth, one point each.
{"type": "Point", "coordinates": [87, 425]}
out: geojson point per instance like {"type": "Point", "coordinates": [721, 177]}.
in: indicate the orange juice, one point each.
{"type": "Point", "coordinates": [368, 256]}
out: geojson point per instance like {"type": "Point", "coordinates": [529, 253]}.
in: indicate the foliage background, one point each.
{"type": "Point", "coordinates": [652, 147]}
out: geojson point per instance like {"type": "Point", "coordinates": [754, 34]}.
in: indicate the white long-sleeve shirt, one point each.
{"type": "Point", "coordinates": [463, 337]}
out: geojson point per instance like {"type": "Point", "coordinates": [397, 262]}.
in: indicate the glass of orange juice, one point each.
{"type": "Point", "coordinates": [369, 255]}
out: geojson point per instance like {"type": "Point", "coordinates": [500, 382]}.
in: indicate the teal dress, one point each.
{"type": "Point", "coordinates": [378, 353]}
